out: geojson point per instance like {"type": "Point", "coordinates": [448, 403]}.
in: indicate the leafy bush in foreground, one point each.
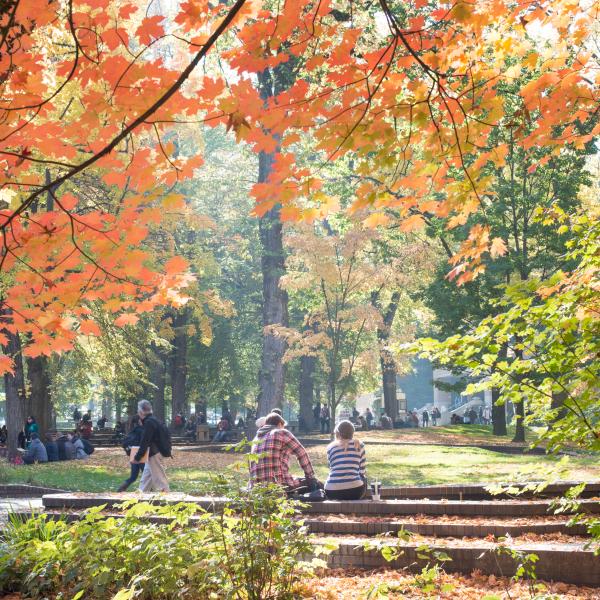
{"type": "Point", "coordinates": [251, 550]}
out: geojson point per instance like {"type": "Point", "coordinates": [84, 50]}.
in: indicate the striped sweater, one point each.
{"type": "Point", "coordinates": [347, 466]}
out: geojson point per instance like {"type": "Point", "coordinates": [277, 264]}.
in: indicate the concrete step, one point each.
{"type": "Point", "coordinates": [566, 558]}
{"type": "Point", "coordinates": [437, 527]}
{"type": "Point", "coordinates": [570, 563]}
{"type": "Point", "coordinates": [484, 508]}
{"type": "Point", "coordinates": [469, 527]}
{"type": "Point", "coordinates": [478, 491]}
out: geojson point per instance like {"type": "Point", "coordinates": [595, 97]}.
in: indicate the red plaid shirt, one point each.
{"type": "Point", "coordinates": [274, 449]}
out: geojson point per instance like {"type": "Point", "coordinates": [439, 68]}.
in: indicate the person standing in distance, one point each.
{"type": "Point", "coordinates": [154, 477]}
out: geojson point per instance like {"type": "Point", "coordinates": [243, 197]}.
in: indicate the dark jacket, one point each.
{"type": "Point", "coordinates": [150, 437]}
{"type": "Point", "coordinates": [36, 452]}
{"type": "Point", "coordinates": [133, 438]}
{"type": "Point", "coordinates": [52, 451]}
{"type": "Point", "coordinates": [66, 450]}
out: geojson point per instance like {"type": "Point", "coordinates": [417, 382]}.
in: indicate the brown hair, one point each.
{"type": "Point", "coordinates": [274, 419]}
{"type": "Point", "coordinates": [344, 432]}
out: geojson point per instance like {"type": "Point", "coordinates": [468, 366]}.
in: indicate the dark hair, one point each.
{"type": "Point", "coordinates": [35, 436]}
{"type": "Point", "coordinates": [274, 418]}
{"type": "Point", "coordinates": [277, 411]}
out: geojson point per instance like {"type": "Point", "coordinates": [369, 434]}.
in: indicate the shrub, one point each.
{"type": "Point", "coordinates": [251, 550]}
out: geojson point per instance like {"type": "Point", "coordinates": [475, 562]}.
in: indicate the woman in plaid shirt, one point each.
{"type": "Point", "coordinates": [274, 444]}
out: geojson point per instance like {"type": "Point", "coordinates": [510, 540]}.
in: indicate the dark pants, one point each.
{"type": "Point", "coordinates": [136, 469]}
{"type": "Point", "coordinates": [351, 494]}
{"type": "Point", "coordinates": [304, 487]}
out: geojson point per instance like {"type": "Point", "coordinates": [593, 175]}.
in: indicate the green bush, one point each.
{"type": "Point", "coordinates": [251, 550]}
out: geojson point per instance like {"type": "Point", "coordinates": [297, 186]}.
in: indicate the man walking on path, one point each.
{"type": "Point", "coordinates": [154, 476]}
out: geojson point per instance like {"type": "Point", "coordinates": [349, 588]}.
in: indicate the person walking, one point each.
{"type": "Point", "coordinates": [325, 419]}
{"type": "Point", "coordinates": [154, 442]}
{"type": "Point", "coordinates": [347, 478]}
{"type": "Point", "coordinates": [369, 418]}
{"type": "Point", "coordinates": [425, 418]}
{"type": "Point", "coordinates": [316, 414]}
{"type": "Point", "coordinates": [133, 438]}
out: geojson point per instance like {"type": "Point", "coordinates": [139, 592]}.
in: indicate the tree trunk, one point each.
{"type": "Point", "coordinates": [306, 392]}
{"type": "Point", "coordinates": [200, 407]}
{"type": "Point", "coordinates": [158, 377]}
{"type": "Point", "coordinates": [558, 405]}
{"type": "Point", "coordinates": [131, 406]}
{"type": "Point", "coordinates": [179, 363]}
{"type": "Point", "coordinates": [519, 408]}
{"type": "Point", "coordinates": [498, 414]}
{"type": "Point", "coordinates": [519, 421]}
{"type": "Point", "coordinates": [390, 396]}
{"type": "Point", "coordinates": [386, 357]}
{"type": "Point", "coordinates": [271, 378]}
{"type": "Point", "coordinates": [118, 406]}
{"type": "Point", "coordinates": [14, 387]}
{"type": "Point", "coordinates": [40, 398]}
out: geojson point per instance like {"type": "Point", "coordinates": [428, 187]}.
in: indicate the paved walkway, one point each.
{"type": "Point", "coordinates": [12, 504]}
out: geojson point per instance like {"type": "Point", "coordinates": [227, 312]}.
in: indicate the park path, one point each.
{"type": "Point", "coordinates": [8, 505]}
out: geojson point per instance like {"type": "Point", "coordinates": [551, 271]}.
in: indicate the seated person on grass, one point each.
{"type": "Point", "coordinates": [274, 445]}
{"type": "Point", "coordinates": [36, 453]}
{"type": "Point", "coordinates": [51, 448]}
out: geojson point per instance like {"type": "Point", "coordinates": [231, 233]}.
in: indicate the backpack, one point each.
{"type": "Point", "coordinates": [87, 446]}
{"type": "Point", "coordinates": [165, 446]}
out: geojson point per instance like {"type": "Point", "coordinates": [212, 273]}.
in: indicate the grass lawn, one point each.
{"type": "Point", "coordinates": [392, 464]}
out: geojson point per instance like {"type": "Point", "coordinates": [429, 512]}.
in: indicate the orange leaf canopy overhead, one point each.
{"type": "Point", "coordinates": [408, 93]}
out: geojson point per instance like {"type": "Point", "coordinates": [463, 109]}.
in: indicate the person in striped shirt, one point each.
{"type": "Point", "coordinates": [347, 465]}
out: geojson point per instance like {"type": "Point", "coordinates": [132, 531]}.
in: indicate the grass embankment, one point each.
{"type": "Point", "coordinates": [397, 464]}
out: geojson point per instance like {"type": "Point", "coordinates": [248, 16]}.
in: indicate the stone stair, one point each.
{"type": "Point", "coordinates": [467, 530]}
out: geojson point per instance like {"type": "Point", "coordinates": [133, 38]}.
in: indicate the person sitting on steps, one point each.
{"type": "Point", "coordinates": [274, 445]}
{"type": "Point", "coordinates": [347, 478]}
{"type": "Point", "coordinates": [223, 428]}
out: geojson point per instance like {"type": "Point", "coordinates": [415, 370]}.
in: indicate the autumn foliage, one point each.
{"type": "Point", "coordinates": [407, 92]}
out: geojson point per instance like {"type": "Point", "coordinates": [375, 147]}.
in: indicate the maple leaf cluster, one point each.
{"type": "Point", "coordinates": [407, 92]}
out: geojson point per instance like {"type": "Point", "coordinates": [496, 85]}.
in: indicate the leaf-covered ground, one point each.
{"type": "Point", "coordinates": [374, 585]}
{"type": "Point", "coordinates": [190, 471]}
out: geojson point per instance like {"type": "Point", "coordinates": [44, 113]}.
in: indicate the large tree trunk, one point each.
{"type": "Point", "coordinates": [306, 387]}
{"type": "Point", "coordinates": [390, 395]}
{"type": "Point", "coordinates": [40, 398]}
{"type": "Point", "coordinates": [271, 379]}
{"type": "Point", "coordinates": [386, 357]}
{"type": "Point", "coordinates": [158, 377]}
{"type": "Point", "coordinates": [498, 414]}
{"type": "Point", "coordinates": [14, 387]}
{"type": "Point", "coordinates": [179, 366]}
